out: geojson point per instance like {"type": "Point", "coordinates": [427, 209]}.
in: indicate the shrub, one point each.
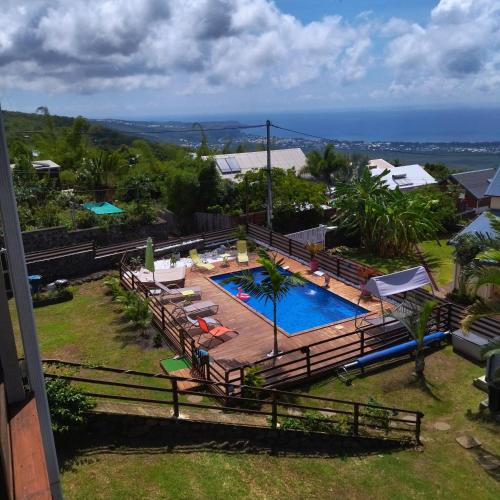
{"type": "Point", "coordinates": [68, 405]}
{"type": "Point", "coordinates": [240, 233]}
{"type": "Point", "coordinates": [136, 309]}
{"type": "Point", "coordinates": [140, 214]}
{"type": "Point", "coordinates": [376, 417]}
{"type": "Point", "coordinates": [48, 215]}
{"type": "Point", "coordinates": [85, 219]}
{"type": "Point", "coordinates": [313, 421]}
{"type": "Point", "coordinates": [253, 382]}
{"type": "Point", "coordinates": [67, 179]}
{"type": "Point", "coordinates": [114, 286]}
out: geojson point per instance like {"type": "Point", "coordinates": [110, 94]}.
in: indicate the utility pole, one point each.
{"type": "Point", "coordinates": [269, 177]}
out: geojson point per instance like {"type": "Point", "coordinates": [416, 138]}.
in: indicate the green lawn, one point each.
{"type": "Point", "coordinates": [89, 329]}
{"type": "Point", "coordinates": [442, 469]}
{"type": "Point", "coordinates": [437, 254]}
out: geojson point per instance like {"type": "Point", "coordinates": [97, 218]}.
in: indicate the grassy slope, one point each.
{"type": "Point", "coordinates": [88, 329]}
{"type": "Point", "coordinates": [442, 470]}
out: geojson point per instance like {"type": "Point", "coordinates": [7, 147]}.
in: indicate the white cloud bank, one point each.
{"type": "Point", "coordinates": [90, 45]}
{"type": "Point", "coordinates": [455, 54]}
{"type": "Point", "coordinates": [206, 46]}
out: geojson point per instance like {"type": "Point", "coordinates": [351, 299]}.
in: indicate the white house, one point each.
{"type": "Point", "coordinates": [45, 167]}
{"type": "Point", "coordinates": [232, 164]}
{"type": "Point", "coordinates": [405, 177]}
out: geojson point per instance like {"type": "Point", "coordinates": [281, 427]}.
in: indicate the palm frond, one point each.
{"type": "Point", "coordinates": [491, 348]}
{"type": "Point", "coordinates": [479, 309]}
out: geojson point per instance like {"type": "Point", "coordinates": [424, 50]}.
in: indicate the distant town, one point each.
{"type": "Point", "coordinates": [457, 155]}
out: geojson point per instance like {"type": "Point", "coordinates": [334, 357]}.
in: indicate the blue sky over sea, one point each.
{"type": "Point", "coordinates": [168, 58]}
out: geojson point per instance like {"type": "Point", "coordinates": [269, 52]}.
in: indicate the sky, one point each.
{"type": "Point", "coordinates": [168, 58]}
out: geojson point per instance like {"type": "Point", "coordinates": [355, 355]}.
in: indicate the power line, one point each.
{"type": "Point", "coordinates": [168, 131]}
{"type": "Point", "coordinates": [325, 139]}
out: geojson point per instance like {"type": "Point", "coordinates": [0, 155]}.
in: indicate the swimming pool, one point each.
{"type": "Point", "coordinates": [302, 308]}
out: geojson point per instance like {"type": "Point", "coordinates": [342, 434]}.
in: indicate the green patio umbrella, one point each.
{"type": "Point", "coordinates": [149, 259]}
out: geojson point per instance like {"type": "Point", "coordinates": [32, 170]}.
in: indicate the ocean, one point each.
{"type": "Point", "coordinates": [436, 125]}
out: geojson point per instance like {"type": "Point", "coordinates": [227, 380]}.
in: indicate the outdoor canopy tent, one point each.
{"type": "Point", "coordinates": [392, 284]}
{"type": "Point", "coordinates": [399, 282]}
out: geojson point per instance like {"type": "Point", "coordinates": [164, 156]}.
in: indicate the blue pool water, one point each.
{"type": "Point", "coordinates": [302, 308]}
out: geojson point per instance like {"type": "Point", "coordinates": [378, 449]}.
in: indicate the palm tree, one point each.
{"type": "Point", "coordinates": [389, 222]}
{"type": "Point", "coordinates": [328, 166]}
{"type": "Point", "coordinates": [274, 286]}
{"type": "Point", "coordinates": [415, 322]}
{"type": "Point", "coordinates": [483, 308]}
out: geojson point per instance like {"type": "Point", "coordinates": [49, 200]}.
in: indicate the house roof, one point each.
{"type": "Point", "coordinates": [481, 224]}
{"type": "Point", "coordinates": [494, 185]}
{"type": "Point", "coordinates": [42, 165]}
{"type": "Point", "coordinates": [405, 177]}
{"type": "Point", "coordinates": [475, 181]}
{"type": "Point", "coordinates": [238, 163]}
{"type": "Point", "coordinates": [380, 163]}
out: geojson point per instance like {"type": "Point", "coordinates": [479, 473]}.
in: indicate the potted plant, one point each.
{"type": "Point", "coordinates": [173, 260]}
{"type": "Point", "coordinates": [313, 249]}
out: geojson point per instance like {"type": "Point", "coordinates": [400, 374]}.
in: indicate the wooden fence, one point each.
{"type": "Point", "coordinates": [355, 418]}
{"type": "Point", "coordinates": [352, 272]}
{"type": "Point", "coordinates": [172, 329]}
{"type": "Point", "coordinates": [289, 367]}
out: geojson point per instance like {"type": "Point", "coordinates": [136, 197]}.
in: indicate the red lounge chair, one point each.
{"type": "Point", "coordinates": [215, 332]}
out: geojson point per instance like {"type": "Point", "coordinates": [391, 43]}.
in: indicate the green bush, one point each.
{"type": "Point", "coordinates": [135, 309]}
{"type": "Point", "coordinates": [114, 286]}
{"type": "Point", "coordinates": [375, 417]}
{"type": "Point", "coordinates": [85, 219]}
{"type": "Point", "coordinates": [68, 405]}
{"type": "Point", "coordinates": [140, 214]}
{"type": "Point", "coordinates": [48, 215]}
{"type": "Point", "coordinates": [253, 383]}
{"type": "Point", "coordinates": [313, 421]}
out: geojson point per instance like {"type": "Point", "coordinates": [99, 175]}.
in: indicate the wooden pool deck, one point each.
{"type": "Point", "coordinates": [255, 337]}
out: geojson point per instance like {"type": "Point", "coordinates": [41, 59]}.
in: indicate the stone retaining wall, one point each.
{"type": "Point", "coordinates": [123, 429]}
{"type": "Point", "coordinates": [60, 236]}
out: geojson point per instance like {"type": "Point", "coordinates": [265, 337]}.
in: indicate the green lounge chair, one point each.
{"type": "Point", "coordinates": [241, 246]}
{"type": "Point", "coordinates": [197, 263]}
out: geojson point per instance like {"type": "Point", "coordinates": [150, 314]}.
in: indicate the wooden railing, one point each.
{"type": "Point", "coordinates": [351, 272]}
{"type": "Point", "coordinates": [326, 356]}
{"type": "Point", "coordinates": [171, 328]}
{"type": "Point", "coordinates": [340, 267]}
{"type": "Point", "coordinates": [354, 418]}
{"type": "Point", "coordinates": [313, 360]}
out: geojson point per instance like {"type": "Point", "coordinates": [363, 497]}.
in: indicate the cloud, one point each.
{"type": "Point", "coordinates": [457, 53]}
{"type": "Point", "coordinates": [200, 45]}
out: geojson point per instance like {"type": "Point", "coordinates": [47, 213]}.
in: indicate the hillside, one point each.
{"type": "Point", "coordinates": [21, 126]}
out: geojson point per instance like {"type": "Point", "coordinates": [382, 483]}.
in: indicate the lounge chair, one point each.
{"type": "Point", "coordinates": [192, 326]}
{"type": "Point", "coordinates": [196, 308]}
{"type": "Point", "coordinates": [241, 247]}
{"type": "Point", "coordinates": [174, 275]}
{"type": "Point", "coordinates": [174, 293]}
{"type": "Point", "coordinates": [215, 332]}
{"type": "Point", "coordinates": [197, 263]}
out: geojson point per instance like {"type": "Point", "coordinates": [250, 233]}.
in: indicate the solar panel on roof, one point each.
{"type": "Point", "coordinates": [233, 165]}
{"type": "Point", "coordinates": [223, 166]}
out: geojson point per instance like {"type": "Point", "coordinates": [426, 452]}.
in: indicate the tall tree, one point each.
{"type": "Point", "coordinates": [327, 166]}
